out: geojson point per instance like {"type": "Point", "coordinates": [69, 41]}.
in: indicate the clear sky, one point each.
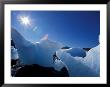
{"type": "Point", "coordinates": [72, 28]}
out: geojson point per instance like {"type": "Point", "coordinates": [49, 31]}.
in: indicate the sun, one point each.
{"type": "Point", "coordinates": [24, 20]}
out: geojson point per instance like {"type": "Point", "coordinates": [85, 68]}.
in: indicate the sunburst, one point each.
{"type": "Point", "coordinates": [25, 20]}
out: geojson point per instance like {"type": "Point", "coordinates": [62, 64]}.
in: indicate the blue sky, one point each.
{"type": "Point", "coordinates": [72, 28]}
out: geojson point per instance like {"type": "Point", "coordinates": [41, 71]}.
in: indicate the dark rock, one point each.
{"type": "Point", "coordinates": [63, 73]}
{"type": "Point", "coordinates": [86, 49]}
{"type": "Point", "coordinates": [14, 62]}
{"type": "Point", "coordinates": [66, 47]}
{"type": "Point", "coordinates": [12, 44]}
{"type": "Point", "coordinates": [40, 71]}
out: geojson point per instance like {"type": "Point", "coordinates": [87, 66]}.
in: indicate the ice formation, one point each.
{"type": "Point", "coordinates": [92, 59]}
{"type": "Point", "coordinates": [14, 53]}
{"type": "Point", "coordinates": [75, 65]}
{"type": "Point", "coordinates": [35, 53]}
{"type": "Point", "coordinates": [42, 53]}
{"type": "Point", "coordinates": [76, 52]}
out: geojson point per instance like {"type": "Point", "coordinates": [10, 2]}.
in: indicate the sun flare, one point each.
{"type": "Point", "coordinates": [25, 20]}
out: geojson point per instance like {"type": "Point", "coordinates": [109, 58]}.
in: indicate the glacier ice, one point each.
{"type": "Point", "coordinates": [42, 53]}
{"type": "Point", "coordinates": [14, 53]}
{"type": "Point", "coordinates": [59, 65]}
{"type": "Point", "coordinates": [77, 52]}
{"type": "Point", "coordinates": [92, 59]}
{"type": "Point", "coordinates": [75, 66]}
{"type": "Point", "coordinates": [35, 53]}
{"type": "Point", "coordinates": [91, 62]}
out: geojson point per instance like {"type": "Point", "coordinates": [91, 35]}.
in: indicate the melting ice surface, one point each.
{"type": "Point", "coordinates": [42, 53]}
